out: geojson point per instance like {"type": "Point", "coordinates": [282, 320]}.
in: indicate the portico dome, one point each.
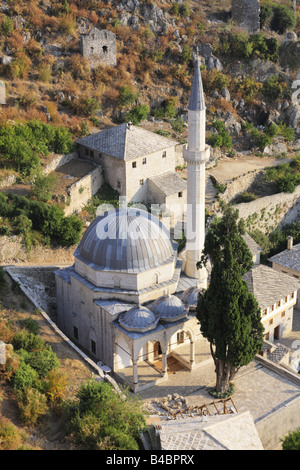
{"type": "Point", "coordinates": [126, 239]}
{"type": "Point", "coordinates": [138, 318]}
{"type": "Point", "coordinates": [169, 308]}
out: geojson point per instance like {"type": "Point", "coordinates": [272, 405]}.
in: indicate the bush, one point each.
{"type": "Point", "coordinates": [55, 385]}
{"type": "Point", "coordinates": [222, 138]}
{"type": "Point", "coordinates": [27, 341]}
{"type": "Point", "coordinates": [137, 113]}
{"type": "Point", "coordinates": [291, 441]}
{"type": "Point", "coordinates": [10, 436]}
{"type": "Point", "coordinates": [100, 419]}
{"type": "Point", "coordinates": [283, 19]}
{"type": "Point", "coordinates": [32, 405]}
{"type": "Point", "coordinates": [25, 377]}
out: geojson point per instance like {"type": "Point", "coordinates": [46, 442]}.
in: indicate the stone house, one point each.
{"type": "Point", "coordinates": [288, 262]}
{"type": "Point", "coordinates": [99, 46]}
{"type": "Point", "coordinates": [138, 164]}
{"type": "Point", "coordinates": [276, 295]}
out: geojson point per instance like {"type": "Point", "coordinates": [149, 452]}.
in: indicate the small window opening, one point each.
{"type": "Point", "coordinates": [105, 49]}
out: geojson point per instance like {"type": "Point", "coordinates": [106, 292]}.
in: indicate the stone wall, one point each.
{"type": "Point", "coordinates": [274, 426]}
{"type": "Point", "coordinates": [57, 161]}
{"type": "Point", "coordinates": [80, 192]}
{"type": "Point", "coordinates": [246, 14]}
{"type": "Point", "coordinates": [269, 212]}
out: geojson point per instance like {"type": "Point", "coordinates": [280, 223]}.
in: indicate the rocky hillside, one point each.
{"type": "Point", "coordinates": [247, 77]}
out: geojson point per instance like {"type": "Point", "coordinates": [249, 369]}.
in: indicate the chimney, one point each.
{"type": "Point", "coordinates": [290, 243]}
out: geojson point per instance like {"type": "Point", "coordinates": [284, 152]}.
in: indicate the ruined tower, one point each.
{"type": "Point", "coordinates": [246, 14]}
{"type": "Point", "coordinates": [196, 154]}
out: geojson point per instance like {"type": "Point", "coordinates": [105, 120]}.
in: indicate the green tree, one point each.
{"type": "Point", "coordinates": [228, 313]}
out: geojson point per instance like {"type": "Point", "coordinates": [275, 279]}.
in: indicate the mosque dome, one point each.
{"type": "Point", "coordinates": [126, 240]}
{"type": "Point", "coordinates": [169, 308]}
{"type": "Point", "coordinates": [138, 318]}
{"type": "Point", "coordinates": [190, 296]}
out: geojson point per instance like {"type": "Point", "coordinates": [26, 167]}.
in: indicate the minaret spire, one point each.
{"type": "Point", "coordinates": [196, 154]}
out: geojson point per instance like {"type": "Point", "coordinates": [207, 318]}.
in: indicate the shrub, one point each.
{"type": "Point", "coordinates": [10, 436]}
{"type": "Point", "coordinates": [55, 385]}
{"type": "Point", "coordinates": [25, 377]}
{"type": "Point", "coordinates": [291, 441]}
{"type": "Point", "coordinates": [222, 138]}
{"type": "Point", "coordinates": [31, 325]}
{"type": "Point", "coordinates": [137, 113]}
{"type": "Point", "coordinates": [43, 186]}
{"type": "Point", "coordinates": [27, 341]}
{"type": "Point", "coordinates": [32, 405]}
{"type": "Point", "coordinates": [283, 19]}
{"type": "Point", "coordinates": [42, 361]}
{"type": "Point", "coordinates": [99, 416]}
{"type": "Point", "coordinates": [126, 96]}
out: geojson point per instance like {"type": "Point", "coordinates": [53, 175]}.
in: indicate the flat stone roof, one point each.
{"type": "Point", "coordinates": [288, 258]}
{"type": "Point", "coordinates": [126, 142]}
{"type": "Point", "coordinates": [269, 286]}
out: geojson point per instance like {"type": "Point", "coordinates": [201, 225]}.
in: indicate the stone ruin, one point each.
{"type": "Point", "coordinates": [246, 14]}
{"type": "Point", "coordinates": [99, 46]}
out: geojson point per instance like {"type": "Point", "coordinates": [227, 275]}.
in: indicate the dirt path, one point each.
{"type": "Point", "coordinates": [229, 168]}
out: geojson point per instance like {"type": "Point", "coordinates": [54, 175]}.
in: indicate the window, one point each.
{"type": "Point", "coordinates": [265, 311]}
{"type": "Point", "coordinates": [141, 182]}
{"type": "Point", "coordinates": [75, 332]}
{"type": "Point", "coordinates": [93, 346]}
{"type": "Point", "coordinates": [271, 321]}
{"type": "Point", "coordinates": [87, 151]}
{"type": "Point", "coordinates": [91, 154]}
{"type": "Point", "coordinates": [133, 164]}
{"type": "Point", "coordinates": [267, 336]}
{"type": "Point", "coordinates": [104, 49]}
{"type": "Point", "coordinates": [282, 314]}
{"type": "Point", "coordinates": [180, 194]}
{"type": "Point", "coordinates": [144, 161]}
{"type": "Point", "coordinates": [164, 154]}
{"type": "Point", "coordinates": [92, 50]}
{"type": "Point", "coordinates": [118, 185]}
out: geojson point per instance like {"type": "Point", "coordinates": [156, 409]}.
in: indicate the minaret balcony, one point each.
{"type": "Point", "coordinates": [196, 156]}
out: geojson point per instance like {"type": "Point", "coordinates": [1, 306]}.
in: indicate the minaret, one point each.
{"type": "Point", "coordinates": [196, 154]}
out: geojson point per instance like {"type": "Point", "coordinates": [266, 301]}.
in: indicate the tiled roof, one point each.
{"type": "Point", "coordinates": [169, 183]}
{"type": "Point", "coordinates": [252, 245]}
{"type": "Point", "coordinates": [126, 142]}
{"type": "Point", "coordinates": [288, 258]}
{"type": "Point", "coordinates": [269, 286]}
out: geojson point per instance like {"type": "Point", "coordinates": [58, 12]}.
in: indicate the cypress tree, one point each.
{"type": "Point", "coordinates": [228, 313]}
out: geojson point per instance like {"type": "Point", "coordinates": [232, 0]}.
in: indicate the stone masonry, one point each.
{"type": "Point", "coordinates": [246, 14]}
{"type": "Point", "coordinates": [99, 46]}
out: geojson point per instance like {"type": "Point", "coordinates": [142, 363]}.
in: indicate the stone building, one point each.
{"type": "Point", "coordinates": [138, 164]}
{"type": "Point", "coordinates": [246, 14]}
{"type": "Point", "coordinates": [288, 262]}
{"type": "Point", "coordinates": [99, 46]}
{"type": "Point", "coordinates": [276, 295]}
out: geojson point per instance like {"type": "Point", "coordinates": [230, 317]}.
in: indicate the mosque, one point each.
{"type": "Point", "coordinates": [129, 301]}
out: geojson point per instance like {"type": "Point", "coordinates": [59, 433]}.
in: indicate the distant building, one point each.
{"type": "Point", "coordinates": [276, 295]}
{"type": "Point", "coordinates": [246, 14]}
{"type": "Point", "coordinates": [288, 262]}
{"type": "Point", "coordinates": [99, 46]}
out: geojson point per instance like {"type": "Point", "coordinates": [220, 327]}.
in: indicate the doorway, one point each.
{"type": "Point", "coordinates": [277, 332]}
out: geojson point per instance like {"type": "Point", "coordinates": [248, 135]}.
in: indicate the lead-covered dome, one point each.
{"type": "Point", "coordinates": [169, 308]}
{"type": "Point", "coordinates": [126, 239]}
{"type": "Point", "coordinates": [138, 318]}
{"type": "Point", "coordinates": [190, 296]}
